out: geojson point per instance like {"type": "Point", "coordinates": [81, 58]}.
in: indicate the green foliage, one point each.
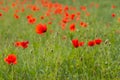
{"type": "Point", "coordinates": [48, 57]}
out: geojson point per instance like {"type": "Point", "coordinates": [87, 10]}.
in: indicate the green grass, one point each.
{"type": "Point", "coordinates": [48, 57]}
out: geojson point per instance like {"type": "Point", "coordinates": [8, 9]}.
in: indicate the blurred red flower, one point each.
{"type": "Point", "coordinates": [29, 16]}
{"type": "Point", "coordinates": [35, 8]}
{"type": "Point", "coordinates": [113, 15]}
{"type": "Point", "coordinates": [13, 4]}
{"type": "Point", "coordinates": [83, 8]}
{"type": "Point", "coordinates": [11, 59]}
{"type": "Point", "coordinates": [113, 6]}
{"type": "Point", "coordinates": [91, 43]}
{"type": "Point", "coordinates": [41, 28]}
{"type": "Point", "coordinates": [23, 44]}
{"type": "Point", "coordinates": [72, 27]}
{"type": "Point", "coordinates": [81, 43]}
{"type": "Point", "coordinates": [16, 16]}
{"type": "Point", "coordinates": [32, 20]}
{"type": "Point", "coordinates": [65, 20]}
{"type": "Point", "coordinates": [83, 24]}
{"type": "Point", "coordinates": [41, 17]}
{"type": "Point", "coordinates": [17, 44]}
{"type": "Point", "coordinates": [75, 43]}
{"type": "Point", "coordinates": [98, 41]}
{"type": "Point", "coordinates": [72, 16]}
{"type": "Point", "coordinates": [0, 14]}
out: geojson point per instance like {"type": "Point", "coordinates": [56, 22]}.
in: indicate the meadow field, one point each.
{"type": "Point", "coordinates": [59, 39]}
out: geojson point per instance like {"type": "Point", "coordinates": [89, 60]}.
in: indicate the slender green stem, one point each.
{"type": "Point", "coordinates": [12, 72]}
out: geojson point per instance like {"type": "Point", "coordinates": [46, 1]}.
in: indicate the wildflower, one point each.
{"type": "Point", "coordinates": [11, 59]}
{"type": "Point", "coordinates": [72, 16]}
{"type": "Point", "coordinates": [16, 16]}
{"type": "Point", "coordinates": [83, 8]}
{"type": "Point", "coordinates": [32, 20]}
{"type": "Point", "coordinates": [41, 17]}
{"type": "Point", "coordinates": [23, 44]}
{"type": "Point", "coordinates": [17, 44]}
{"type": "Point", "coordinates": [91, 43]}
{"type": "Point", "coordinates": [113, 15]}
{"type": "Point", "coordinates": [75, 43]}
{"type": "Point", "coordinates": [113, 6]}
{"type": "Point", "coordinates": [81, 43]}
{"type": "Point", "coordinates": [83, 24]}
{"type": "Point", "coordinates": [29, 16]}
{"type": "Point", "coordinates": [0, 14]}
{"type": "Point", "coordinates": [72, 27]}
{"type": "Point", "coordinates": [41, 28]}
{"type": "Point", "coordinates": [98, 41]}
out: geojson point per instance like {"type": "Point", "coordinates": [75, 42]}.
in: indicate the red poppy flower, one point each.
{"type": "Point", "coordinates": [65, 20]}
{"type": "Point", "coordinates": [81, 43]}
{"type": "Point", "coordinates": [41, 17]}
{"type": "Point", "coordinates": [13, 4]}
{"type": "Point", "coordinates": [35, 8]}
{"type": "Point", "coordinates": [63, 26]}
{"type": "Point", "coordinates": [50, 22]}
{"type": "Point", "coordinates": [11, 59]}
{"type": "Point", "coordinates": [29, 16]}
{"type": "Point", "coordinates": [77, 18]}
{"type": "Point", "coordinates": [72, 27]}
{"type": "Point", "coordinates": [83, 8]}
{"type": "Point", "coordinates": [113, 6]}
{"type": "Point", "coordinates": [23, 44]}
{"type": "Point", "coordinates": [72, 16]}
{"type": "Point", "coordinates": [66, 8]}
{"type": "Point", "coordinates": [58, 10]}
{"type": "Point", "coordinates": [91, 43]}
{"type": "Point", "coordinates": [16, 11]}
{"type": "Point", "coordinates": [113, 15]}
{"type": "Point", "coordinates": [22, 10]}
{"type": "Point", "coordinates": [75, 43]}
{"type": "Point", "coordinates": [83, 24]}
{"type": "Point", "coordinates": [17, 44]}
{"type": "Point", "coordinates": [96, 5]}
{"type": "Point", "coordinates": [0, 14]}
{"type": "Point", "coordinates": [66, 14]}
{"type": "Point", "coordinates": [87, 14]}
{"type": "Point", "coordinates": [16, 16]}
{"type": "Point", "coordinates": [41, 28]}
{"type": "Point", "coordinates": [98, 41]}
{"type": "Point", "coordinates": [32, 20]}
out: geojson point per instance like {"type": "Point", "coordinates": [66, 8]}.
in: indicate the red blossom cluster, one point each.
{"type": "Point", "coordinates": [83, 24]}
{"type": "Point", "coordinates": [94, 42]}
{"type": "Point", "coordinates": [76, 43]}
{"type": "Point", "coordinates": [91, 43]}
{"type": "Point", "coordinates": [23, 44]}
{"type": "Point", "coordinates": [31, 19]}
{"type": "Point", "coordinates": [16, 16]}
